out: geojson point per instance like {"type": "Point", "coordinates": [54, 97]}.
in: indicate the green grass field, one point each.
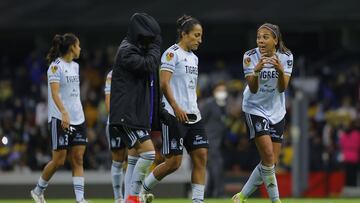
{"type": "Point", "coordinates": [336, 200]}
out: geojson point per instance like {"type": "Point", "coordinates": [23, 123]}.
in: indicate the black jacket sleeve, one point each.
{"type": "Point", "coordinates": [136, 60]}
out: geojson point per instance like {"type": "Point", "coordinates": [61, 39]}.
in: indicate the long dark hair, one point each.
{"type": "Point", "coordinates": [60, 46]}
{"type": "Point", "coordinates": [185, 24]}
{"type": "Point", "coordinates": [275, 31]}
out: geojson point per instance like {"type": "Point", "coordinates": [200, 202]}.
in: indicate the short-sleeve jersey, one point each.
{"type": "Point", "coordinates": [268, 102]}
{"type": "Point", "coordinates": [183, 83]}
{"type": "Point", "coordinates": [107, 88]}
{"type": "Point", "coordinates": [67, 75]}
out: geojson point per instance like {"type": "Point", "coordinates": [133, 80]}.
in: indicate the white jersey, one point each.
{"type": "Point", "coordinates": [107, 88]}
{"type": "Point", "coordinates": [268, 102]}
{"type": "Point", "coordinates": [67, 75]}
{"type": "Point", "coordinates": [184, 68]}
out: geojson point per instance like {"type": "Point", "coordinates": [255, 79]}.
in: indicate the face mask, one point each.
{"type": "Point", "coordinates": [220, 97]}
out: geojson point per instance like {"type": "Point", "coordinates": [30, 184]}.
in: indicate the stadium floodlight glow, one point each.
{"type": "Point", "coordinates": [4, 140]}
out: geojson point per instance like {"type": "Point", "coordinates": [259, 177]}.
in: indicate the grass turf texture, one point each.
{"type": "Point", "coordinates": [251, 200]}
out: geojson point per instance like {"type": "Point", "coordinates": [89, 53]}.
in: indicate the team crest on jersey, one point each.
{"type": "Point", "coordinates": [54, 69]}
{"type": "Point", "coordinates": [173, 144]}
{"type": "Point", "coordinates": [113, 142]}
{"type": "Point", "coordinates": [169, 56]}
{"type": "Point", "coordinates": [258, 127]}
{"type": "Point", "coordinates": [140, 133]}
{"type": "Point", "coordinates": [61, 141]}
{"type": "Point", "coordinates": [247, 61]}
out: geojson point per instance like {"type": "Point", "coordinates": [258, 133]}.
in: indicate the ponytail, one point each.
{"type": "Point", "coordinates": [185, 24]}
{"type": "Point", "coordinates": [60, 46]}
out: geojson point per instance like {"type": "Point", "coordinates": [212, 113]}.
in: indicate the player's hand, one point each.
{"type": "Point", "coordinates": [181, 115]}
{"type": "Point", "coordinates": [276, 63]}
{"type": "Point", "coordinates": [261, 64]}
{"type": "Point", "coordinates": [65, 120]}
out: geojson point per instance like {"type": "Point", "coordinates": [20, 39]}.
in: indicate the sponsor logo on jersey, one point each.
{"type": "Point", "coordinates": [169, 56]}
{"type": "Point", "coordinates": [54, 69]}
{"type": "Point", "coordinates": [191, 69]}
{"type": "Point", "coordinates": [289, 63]}
{"type": "Point", "coordinates": [247, 61]}
{"type": "Point", "coordinates": [199, 140]}
{"type": "Point", "coordinates": [269, 74]}
{"type": "Point", "coordinates": [71, 79]}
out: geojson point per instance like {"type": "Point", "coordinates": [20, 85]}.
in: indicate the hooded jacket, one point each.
{"type": "Point", "coordinates": [135, 97]}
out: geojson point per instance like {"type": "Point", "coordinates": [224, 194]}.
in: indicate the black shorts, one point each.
{"type": "Point", "coordinates": [63, 139]}
{"type": "Point", "coordinates": [258, 126]}
{"type": "Point", "coordinates": [114, 139]}
{"type": "Point", "coordinates": [129, 135]}
{"type": "Point", "coordinates": [176, 135]}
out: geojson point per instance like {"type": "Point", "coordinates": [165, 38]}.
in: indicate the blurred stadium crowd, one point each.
{"type": "Point", "coordinates": [334, 111]}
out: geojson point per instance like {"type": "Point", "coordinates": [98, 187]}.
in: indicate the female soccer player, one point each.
{"type": "Point", "coordinates": [182, 125]}
{"type": "Point", "coordinates": [267, 70]}
{"type": "Point", "coordinates": [66, 117]}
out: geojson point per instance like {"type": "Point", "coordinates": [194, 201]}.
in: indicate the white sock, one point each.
{"type": "Point", "coordinates": [117, 178]}
{"type": "Point", "coordinates": [79, 188]}
{"type": "Point", "coordinates": [253, 182]}
{"type": "Point", "coordinates": [197, 192]}
{"type": "Point", "coordinates": [269, 178]}
{"type": "Point", "coordinates": [128, 174]}
{"type": "Point", "coordinates": [41, 186]}
{"type": "Point", "coordinates": [140, 170]}
{"type": "Point", "coordinates": [150, 182]}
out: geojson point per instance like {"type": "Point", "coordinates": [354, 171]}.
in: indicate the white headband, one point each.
{"type": "Point", "coordinates": [182, 24]}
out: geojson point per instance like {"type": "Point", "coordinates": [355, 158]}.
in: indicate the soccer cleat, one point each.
{"type": "Point", "coordinates": [238, 198]}
{"type": "Point", "coordinates": [83, 201]}
{"type": "Point", "coordinates": [147, 198]}
{"type": "Point", "coordinates": [119, 201]}
{"type": "Point", "coordinates": [37, 198]}
{"type": "Point", "coordinates": [133, 199]}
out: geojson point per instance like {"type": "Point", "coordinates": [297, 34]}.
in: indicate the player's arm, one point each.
{"type": "Point", "coordinates": [284, 71]}
{"type": "Point", "coordinates": [107, 103]}
{"type": "Point", "coordinates": [283, 81]}
{"type": "Point", "coordinates": [55, 88]}
{"type": "Point", "coordinates": [136, 61]}
{"type": "Point", "coordinates": [252, 72]}
{"type": "Point", "coordinates": [165, 77]}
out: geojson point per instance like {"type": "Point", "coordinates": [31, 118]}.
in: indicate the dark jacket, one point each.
{"type": "Point", "coordinates": [130, 101]}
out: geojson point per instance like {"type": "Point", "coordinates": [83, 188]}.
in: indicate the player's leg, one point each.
{"type": "Point", "coordinates": [146, 196]}
{"type": "Point", "coordinates": [269, 152]}
{"type": "Point", "coordinates": [197, 144]}
{"type": "Point", "coordinates": [117, 174]}
{"type": "Point", "coordinates": [172, 149]}
{"type": "Point", "coordinates": [117, 154]}
{"type": "Point", "coordinates": [59, 142]}
{"type": "Point", "coordinates": [255, 128]}
{"type": "Point", "coordinates": [57, 160]}
{"type": "Point", "coordinates": [132, 160]}
{"type": "Point", "coordinates": [198, 158]}
{"type": "Point", "coordinates": [78, 142]}
{"type": "Point", "coordinates": [141, 142]}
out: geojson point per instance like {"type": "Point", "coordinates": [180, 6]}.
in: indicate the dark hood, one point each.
{"type": "Point", "coordinates": [142, 24]}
